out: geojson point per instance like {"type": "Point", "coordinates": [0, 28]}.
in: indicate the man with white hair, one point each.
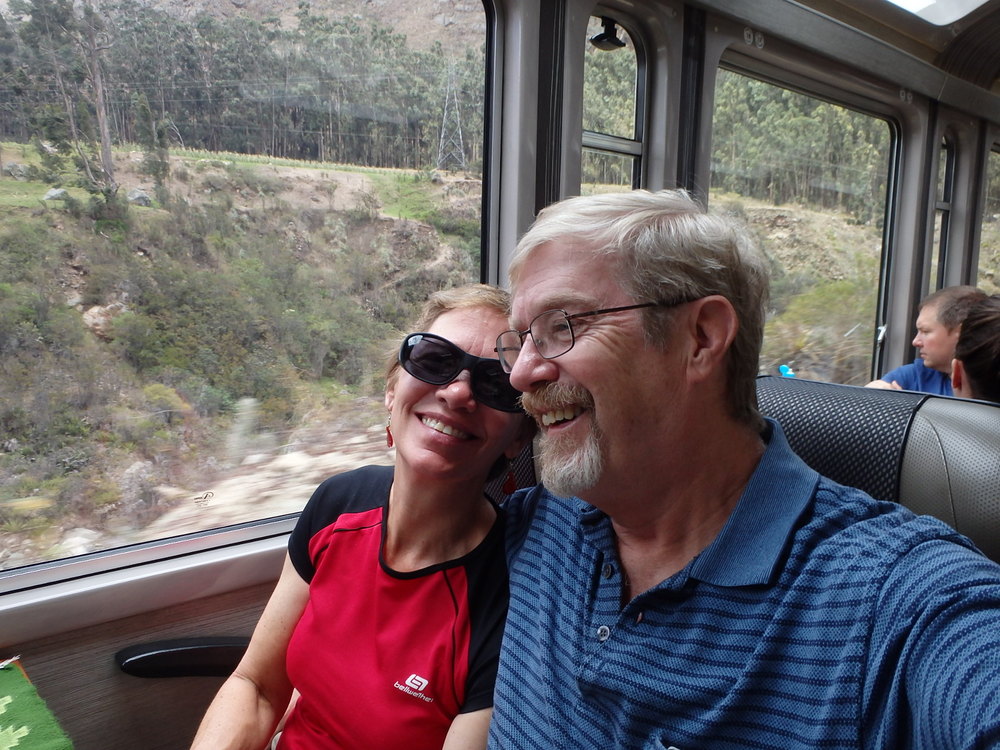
{"type": "Point", "coordinates": [681, 579]}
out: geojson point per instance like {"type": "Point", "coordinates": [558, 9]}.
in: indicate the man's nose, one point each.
{"type": "Point", "coordinates": [531, 369]}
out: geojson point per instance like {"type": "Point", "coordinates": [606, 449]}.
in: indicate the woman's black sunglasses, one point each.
{"type": "Point", "coordinates": [437, 361]}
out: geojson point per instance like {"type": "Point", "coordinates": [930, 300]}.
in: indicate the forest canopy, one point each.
{"type": "Point", "coordinates": [335, 90]}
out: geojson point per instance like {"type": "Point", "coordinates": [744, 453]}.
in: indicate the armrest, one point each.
{"type": "Point", "coordinates": [210, 656]}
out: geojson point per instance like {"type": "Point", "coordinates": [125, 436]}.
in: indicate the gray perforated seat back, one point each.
{"type": "Point", "coordinates": [951, 467]}
{"type": "Point", "coordinates": [935, 455]}
{"type": "Point", "coordinates": [855, 436]}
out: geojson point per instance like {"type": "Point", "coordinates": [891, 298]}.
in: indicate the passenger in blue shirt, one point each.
{"type": "Point", "coordinates": [939, 320]}
{"type": "Point", "coordinates": [705, 588]}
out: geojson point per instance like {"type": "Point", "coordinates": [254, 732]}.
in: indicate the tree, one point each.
{"type": "Point", "coordinates": [66, 61]}
{"type": "Point", "coordinates": [8, 50]}
{"type": "Point", "coordinates": [94, 41]}
{"type": "Point", "coordinates": [153, 138]}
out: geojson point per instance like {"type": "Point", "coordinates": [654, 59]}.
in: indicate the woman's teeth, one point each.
{"type": "Point", "coordinates": [440, 426]}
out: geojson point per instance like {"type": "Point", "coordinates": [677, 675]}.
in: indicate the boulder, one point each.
{"type": "Point", "coordinates": [139, 197]}
{"type": "Point", "coordinates": [99, 319]}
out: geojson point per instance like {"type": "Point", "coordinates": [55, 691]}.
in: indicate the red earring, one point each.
{"type": "Point", "coordinates": [388, 433]}
{"type": "Point", "coordinates": [510, 483]}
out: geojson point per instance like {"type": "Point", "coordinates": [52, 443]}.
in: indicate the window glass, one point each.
{"type": "Point", "coordinates": [809, 177]}
{"type": "Point", "coordinates": [611, 109]}
{"type": "Point", "coordinates": [988, 278]}
{"type": "Point", "coordinates": [939, 12]}
{"type": "Point", "coordinates": [609, 79]}
{"type": "Point", "coordinates": [603, 172]}
{"type": "Point", "coordinates": [212, 229]}
{"type": "Point", "coordinates": [942, 214]}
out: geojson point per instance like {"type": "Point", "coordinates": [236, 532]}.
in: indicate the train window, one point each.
{"type": "Point", "coordinates": [209, 241]}
{"type": "Point", "coordinates": [812, 176]}
{"type": "Point", "coordinates": [988, 278]}
{"type": "Point", "coordinates": [612, 109]}
{"type": "Point", "coordinates": [942, 214]}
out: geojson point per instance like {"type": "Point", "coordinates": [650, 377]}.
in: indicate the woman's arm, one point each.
{"type": "Point", "coordinates": [250, 703]}
{"type": "Point", "coordinates": [468, 731]}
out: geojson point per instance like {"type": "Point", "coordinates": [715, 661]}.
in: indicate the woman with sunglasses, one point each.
{"type": "Point", "coordinates": [388, 614]}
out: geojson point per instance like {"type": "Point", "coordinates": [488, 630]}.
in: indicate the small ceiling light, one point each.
{"type": "Point", "coordinates": [607, 39]}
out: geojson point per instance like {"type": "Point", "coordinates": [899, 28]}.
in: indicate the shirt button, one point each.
{"type": "Point", "coordinates": [638, 618]}
{"type": "Point", "coordinates": [603, 633]}
{"type": "Point", "coordinates": [608, 570]}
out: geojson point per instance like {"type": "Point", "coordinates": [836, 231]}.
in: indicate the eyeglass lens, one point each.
{"type": "Point", "coordinates": [437, 361]}
{"type": "Point", "coordinates": [551, 332]}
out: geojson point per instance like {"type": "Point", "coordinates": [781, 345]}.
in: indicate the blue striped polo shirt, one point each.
{"type": "Point", "coordinates": [818, 618]}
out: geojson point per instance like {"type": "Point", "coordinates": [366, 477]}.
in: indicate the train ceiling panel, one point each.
{"type": "Point", "coordinates": [960, 37]}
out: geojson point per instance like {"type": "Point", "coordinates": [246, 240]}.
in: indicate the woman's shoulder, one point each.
{"type": "Point", "coordinates": [355, 491]}
{"type": "Point", "coordinates": [355, 498]}
{"type": "Point", "coordinates": [363, 480]}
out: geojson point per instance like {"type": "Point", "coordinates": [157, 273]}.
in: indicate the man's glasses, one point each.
{"type": "Point", "coordinates": [552, 332]}
{"type": "Point", "coordinates": [437, 361]}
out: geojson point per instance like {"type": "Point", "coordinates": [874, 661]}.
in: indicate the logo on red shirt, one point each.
{"type": "Point", "coordinates": [415, 685]}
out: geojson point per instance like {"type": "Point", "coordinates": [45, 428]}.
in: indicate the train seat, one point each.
{"type": "Point", "coordinates": [934, 454]}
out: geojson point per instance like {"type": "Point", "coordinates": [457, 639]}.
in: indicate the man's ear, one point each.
{"type": "Point", "coordinates": [957, 375]}
{"type": "Point", "coordinates": [714, 325]}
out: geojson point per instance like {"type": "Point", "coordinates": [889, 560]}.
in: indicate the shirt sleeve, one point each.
{"type": "Point", "coordinates": [903, 375]}
{"type": "Point", "coordinates": [935, 658]}
{"type": "Point", "coordinates": [360, 489]}
{"type": "Point", "coordinates": [305, 527]}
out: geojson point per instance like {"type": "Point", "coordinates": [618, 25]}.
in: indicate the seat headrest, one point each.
{"type": "Point", "coordinates": [934, 454]}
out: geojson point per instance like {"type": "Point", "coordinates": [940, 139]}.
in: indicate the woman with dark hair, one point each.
{"type": "Point", "coordinates": [975, 371]}
{"type": "Point", "coordinates": [386, 620]}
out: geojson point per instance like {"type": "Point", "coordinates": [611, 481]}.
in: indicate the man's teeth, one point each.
{"type": "Point", "coordinates": [440, 426]}
{"type": "Point", "coordinates": [561, 415]}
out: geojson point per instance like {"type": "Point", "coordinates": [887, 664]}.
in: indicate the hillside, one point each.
{"type": "Point", "coordinates": [454, 23]}
{"type": "Point", "coordinates": [232, 338]}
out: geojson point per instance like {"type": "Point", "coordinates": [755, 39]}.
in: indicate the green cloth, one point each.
{"type": "Point", "coordinates": [25, 721]}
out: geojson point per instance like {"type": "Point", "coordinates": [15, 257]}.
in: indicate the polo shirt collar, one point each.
{"type": "Point", "coordinates": [751, 547]}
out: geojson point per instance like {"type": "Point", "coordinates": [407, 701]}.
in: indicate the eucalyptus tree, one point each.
{"type": "Point", "coordinates": [65, 47]}
{"type": "Point", "coordinates": [774, 144]}
{"type": "Point", "coordinates": [8, 78]}
{"type": "Point", "coordinates": [153, 55]}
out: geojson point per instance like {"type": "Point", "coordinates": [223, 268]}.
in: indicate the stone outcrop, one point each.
{"type": "Point", "coordinates": [100, 319]}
